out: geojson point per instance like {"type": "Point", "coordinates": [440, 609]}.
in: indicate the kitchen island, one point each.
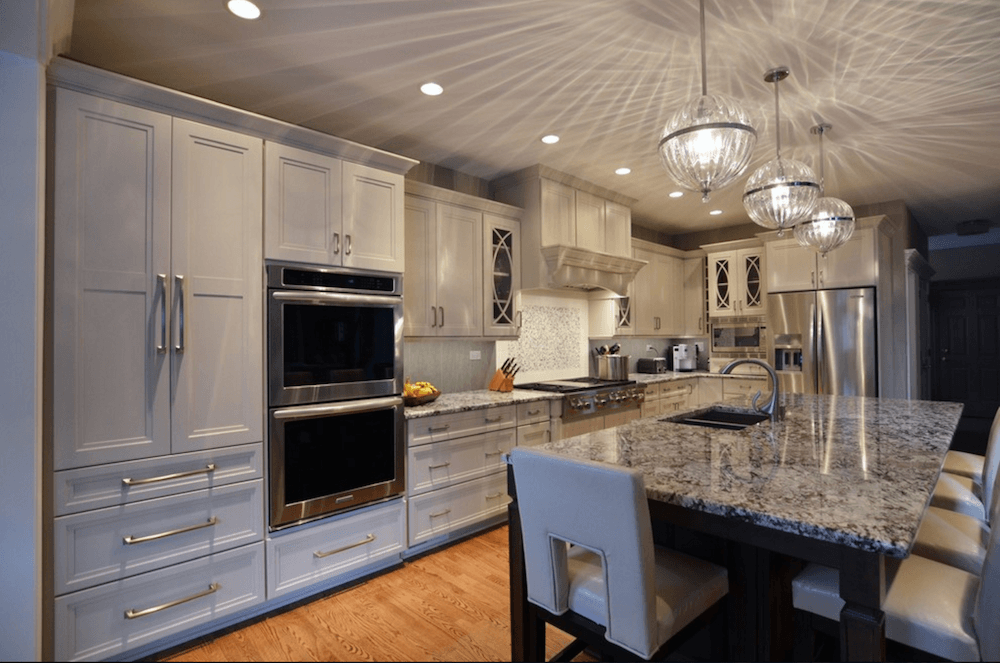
{"type": "Point", "coordinates": [843, 481]}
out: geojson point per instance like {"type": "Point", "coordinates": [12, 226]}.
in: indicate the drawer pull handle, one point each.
{"type": "Point", "coordinates": [129, 540]}
{"type": "Point", "coordinates": [367, 539]}
{"type": "Point", "coordinates": [494, 420]}
{"type": "Point", "coordinates": [132, 614]}
{"type": "Point", "coordinates": [438, 467]}
{"type": "Point", "coordinates": [438, 429]}
{"type": "Point", "coordinates": [532, 413]}
{"type": "Point", "coordinates": [440, 513]}
{"type": "Point", "coordinates": [494, 453]}
{"type": "Point", "coordinates": [495, 496]}
{"type": "Point", "coordinates": [208, 469]}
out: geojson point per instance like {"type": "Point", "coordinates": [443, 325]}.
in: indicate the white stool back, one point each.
{"type": "Point", "coordinates": [987, 611]}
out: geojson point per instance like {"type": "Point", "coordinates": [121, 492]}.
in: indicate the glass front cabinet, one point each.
{"type": "Point", "coordinates": [502, 260]}
{"type": "Point", "coordinates": [736, 282]}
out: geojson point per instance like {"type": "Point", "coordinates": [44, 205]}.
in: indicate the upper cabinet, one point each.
{"type": "Point", "coordinates": [323, 210]}
{"type": "Point", "coordinates": [451, 289]}
{"type": "Point", "coordinates": [591, 225]}
{"type": "Point", "coordinates": [791, 266]}
{"type": "Point", "coordinates": [659, 293]}
{"type": "Point", "coordinates": [736, 278]}
{"type": "Point", "coordinates": [157, 344]}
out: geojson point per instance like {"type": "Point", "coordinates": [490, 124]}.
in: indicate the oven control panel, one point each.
{"type": "Point", "coordinates": [603, 401]}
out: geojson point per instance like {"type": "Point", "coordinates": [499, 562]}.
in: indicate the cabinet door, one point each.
{"type": "Point", "coordinates": [217, 285]}
{"type": "Point", "coordinates": [420, 284]}
{"type": "Point", "coordinates": [751, 282]}
{"type": "Point", "coordinates": [590, 222]}
{"type": "Point", "coordinates": [373, 219]}
{"type": "Point", "coordinates": [501, 275]}
{"type": "Point", "coordinates": [722, 295]}
{"type": "Point", "coordinates": [302, 205]}
{"type": "Point", "coordinates": [653, 296]}
{"type": "Point", "coordinates": [617, 229]}
{"type": "Point", "coordinates": [694, 296]}
{"type": "Point", "coordinates": [558, 214]}
{"type": "Point", "coordinates": [671, 279]}
{"type": "Point", "coordinates": [851, 265]}
{"type": "Point", "coordinates": [111, 238]}
{"type": "Point", "coordinates": [459, 269]}
{"type": "Point", "coordinates": [790, 266]}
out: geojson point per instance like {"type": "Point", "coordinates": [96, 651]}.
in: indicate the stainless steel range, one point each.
{"type": "Point", "coordinates": [586, 397]}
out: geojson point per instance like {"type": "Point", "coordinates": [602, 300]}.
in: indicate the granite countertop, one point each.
{"type": "Point", "coordinates": [669, 376]}
{"type": "Point", "coordinates": [476, 400]}
{"type": "Point", "coordinates": [850, 470]}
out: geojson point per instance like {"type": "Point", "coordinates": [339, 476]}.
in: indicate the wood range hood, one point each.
{"type": "Point", "coordinates": [574, 267]}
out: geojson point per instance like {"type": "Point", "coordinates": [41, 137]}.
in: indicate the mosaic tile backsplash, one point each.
{"type": "Point", "coordinates": [549, 341]}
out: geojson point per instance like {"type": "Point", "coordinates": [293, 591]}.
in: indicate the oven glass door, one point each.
{"type": "Point", "coordinates": [329, 346]}
{"type": "Point", "coordinates": [332, 457]}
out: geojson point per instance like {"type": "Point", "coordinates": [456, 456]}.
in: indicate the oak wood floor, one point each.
{"type": "Point", "coordinates": [449, 605]}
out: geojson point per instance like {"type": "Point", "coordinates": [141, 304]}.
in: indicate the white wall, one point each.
{"type": "Point", "coordinates": [22, 134]}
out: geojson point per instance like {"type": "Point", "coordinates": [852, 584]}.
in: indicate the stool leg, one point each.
{"type": "Point", "coordinates": [805, 636]}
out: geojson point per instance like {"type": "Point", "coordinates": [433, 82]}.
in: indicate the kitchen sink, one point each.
{"type": "Point", "coordinates": [718, 418]}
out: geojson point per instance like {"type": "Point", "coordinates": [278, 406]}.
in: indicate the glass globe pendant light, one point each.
{"type": "Point", "coordinates": [832, 220]}
{"type": "Point", "coordinates": [708, 142]}
{"type": "Point", "coordinates": [782, 192]}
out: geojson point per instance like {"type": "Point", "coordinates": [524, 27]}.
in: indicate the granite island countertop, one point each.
{"type": "Point", "coordinates": [850, 470]}
{"type": "Point", "coordinates": [463, 401]}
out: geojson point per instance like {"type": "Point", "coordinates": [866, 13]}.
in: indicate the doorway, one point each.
{"type": "Point", "coordinates": [965, 354]}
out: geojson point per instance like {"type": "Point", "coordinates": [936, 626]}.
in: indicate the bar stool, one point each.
{"type": "Point", "coordinates": [965, 494]}
{"type": "Point", "coordinates": [971, 465]}
{"type": "Point", "coordinates": [591, 565]}
{"type": "Point", "coordinates": [932, 607]}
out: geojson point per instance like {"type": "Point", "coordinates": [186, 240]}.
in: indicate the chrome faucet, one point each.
{"type": "Point", "coordinates": [771, 408]}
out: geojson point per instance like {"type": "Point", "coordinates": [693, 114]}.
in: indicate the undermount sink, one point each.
{"type": "Point", "coordinates": [718, 418]}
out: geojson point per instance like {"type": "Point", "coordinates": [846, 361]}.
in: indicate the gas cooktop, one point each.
{"type": "Point", "coordinates": [573, 385]}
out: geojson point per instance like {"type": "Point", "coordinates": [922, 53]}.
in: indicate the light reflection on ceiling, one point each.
{"type": "Point", "coordinates": [911, 87]}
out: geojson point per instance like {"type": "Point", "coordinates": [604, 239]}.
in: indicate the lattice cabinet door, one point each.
{"type": "Point", "coordinates": [502, 275]}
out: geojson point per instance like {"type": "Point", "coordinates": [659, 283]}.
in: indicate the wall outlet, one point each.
{"type": "Point", "coordinates": [700, 347]}
{"type": "Point", "coordinates": [475, 355]}
{"type": "Point", "coordinates": [650, 348]}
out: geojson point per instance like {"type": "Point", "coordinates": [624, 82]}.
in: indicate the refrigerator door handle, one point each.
{"type": "Point", "coordinates": [820, 351]}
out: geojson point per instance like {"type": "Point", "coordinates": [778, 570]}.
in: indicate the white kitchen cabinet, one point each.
{"type": "Point", "coordinates": [659, 293]}
{"type": "Point", "coordinates": [590, 222]}
{"type": "Point", "coordinates": [501, 275]}
{"type": "Point", "coordinates": [736, 281]}
{"type": "Point", "coordinates": [330, 550]}
{"type": "Point", "coordinates": [694, 316]}
{"type": "Point", "coordinates": [611, 315]}
{"type": "Point", "coordinates": [157, 250]}
{"type": "Point", "coordinates": [617, 229]}
{"type": "Point", "coordinates": [669, 396]}
{"type": "Point", "coordinates": [533, 427]}
{"type": "Point", "coordinates": [322, 210]}
{"type": "Point", "coordinates": [792, 267]}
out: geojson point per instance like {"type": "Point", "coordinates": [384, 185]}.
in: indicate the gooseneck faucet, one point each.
{"type": "Point", "coordinates": [771, 408]}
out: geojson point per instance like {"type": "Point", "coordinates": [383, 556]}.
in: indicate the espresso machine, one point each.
{"type": "Point", "coordinates": [685, 357]}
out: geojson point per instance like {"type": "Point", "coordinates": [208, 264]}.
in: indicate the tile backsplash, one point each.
{"type": "Point", "coordinates": [553, 339]}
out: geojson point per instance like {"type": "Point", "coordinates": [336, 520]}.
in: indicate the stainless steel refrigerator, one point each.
{"type": "Point", "coordinates": [823, 341]}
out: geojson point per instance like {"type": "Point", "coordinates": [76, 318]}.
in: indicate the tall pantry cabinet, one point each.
{"type": "Point", "coordinates": [156, 374]}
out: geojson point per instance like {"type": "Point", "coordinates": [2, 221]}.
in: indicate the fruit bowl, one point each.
{"type": "Point", "coordinates": [410, 401]}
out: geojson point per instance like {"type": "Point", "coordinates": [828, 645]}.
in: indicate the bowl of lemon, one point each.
{"type": "Point", "coordinates": [419, 393]}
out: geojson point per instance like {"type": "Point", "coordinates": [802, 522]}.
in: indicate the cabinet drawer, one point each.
{"type": "Point", "coordinates": [308, 556]}
{"type": "Point", "coordinates": [93, 624]}
{"type": "Point", "coordinates": [453, 461]}
{"type": "Point", "coordinates": [743, 386]}
{"type": "Point", "coordinates": [441, 511]}
{"type": "Point", "coordinates": [459, 424]}
{"type": "Point", "coordinates": [122, 483]}
{"type": "Point", "coordinates": [93, 547]}
{"type": "Point", "coordinates": [533, 434]}
{"type": "Point", "coordinates": [532, 412]}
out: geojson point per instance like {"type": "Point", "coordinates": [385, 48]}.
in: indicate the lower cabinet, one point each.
{"type": "Point", "coordinates": [671, 396]}
{"type": "Point", "coordinates": [103, 621]}
{"type": "Point", "coordinates": [456, 507]}
{"type": "Point", "coordinates": [335, 547]}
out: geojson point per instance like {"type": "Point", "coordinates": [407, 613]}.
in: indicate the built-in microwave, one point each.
{"type": "Point", "coordinates": [738, 337]}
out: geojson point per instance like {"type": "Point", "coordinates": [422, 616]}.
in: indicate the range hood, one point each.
{"type": "Point", "coordinates": [573, 267]}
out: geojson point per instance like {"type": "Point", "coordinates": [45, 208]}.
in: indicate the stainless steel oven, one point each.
{"type": "Point", "coordinates": [335, 382]}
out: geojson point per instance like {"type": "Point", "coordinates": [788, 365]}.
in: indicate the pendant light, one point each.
{"type": "Point", "coordinates": [782, 192]}
{"type": "Point", "coordinates": [708, 142]}
{"type": "Point", "coordinates": [832, 220]}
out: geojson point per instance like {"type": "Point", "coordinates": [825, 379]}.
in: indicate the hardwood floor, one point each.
{"type": "Point", "coordinates": [450, 605]}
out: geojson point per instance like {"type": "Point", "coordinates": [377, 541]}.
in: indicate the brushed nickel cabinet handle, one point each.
{"type": "Point", "coordinates": [495, 496]}
{"type": "Point", "coordinates": [438, 429]}
{"type": "Point", "coordinates": [162, 347]}
{"type": "Point", "coordinates": [179, 348]}
{"type": "Point", "coordinates": [336, 244]}
{"type": "Point", "coordinates": [347, 245]}
{"type": "Point", "coordinates": [494, 420]}
{"type": "Point", "coordinates": [434, 313]}
{"type": "Point", "coordinates": [494, 453]}
{"type": "Point", "coordinates": [131, 540]}
{"type": "Point", "coordinates": [208, 469]}
{"type": "Point", "coordinates": [438, 467]}
{"type": "Point", "coordinates": [440, 513]}
{"type": "Point", "coordinates": [441, 308]}
{"type": "Point", "coordinates": [532, 413]}
{"type": "Point", "coordinates": [367, 539]}
{"type": "Point", "coordinates": [132, 614]}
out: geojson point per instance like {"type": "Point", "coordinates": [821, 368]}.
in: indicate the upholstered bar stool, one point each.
{"type": "Point", "coordinates": [971, 465]}
{"type": "Point", "coordinates": [592, 568]}
{"type": "Point", "coordinates": [966, 494]}
{"type": "Point", "coordinates": [932, 607]}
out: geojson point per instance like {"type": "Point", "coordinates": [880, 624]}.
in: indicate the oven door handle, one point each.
{"type": "Point", "coordinates": [335, 298]}
{"type": "Point", "coordinates": [351, 407]}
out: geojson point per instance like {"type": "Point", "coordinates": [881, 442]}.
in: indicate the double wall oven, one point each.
{"type": "Point", "coordinates": [335, 382]}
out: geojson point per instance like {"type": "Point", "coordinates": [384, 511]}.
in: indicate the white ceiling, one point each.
{"type": "Point", "coordinates": [911, 87]}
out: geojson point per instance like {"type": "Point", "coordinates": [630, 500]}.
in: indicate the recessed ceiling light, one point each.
{"type": "Point", "coordinates": [550, 139]}
{"type": "Point", "coordinates": [716, 212]}
{"type": "Point", "coordinates": [431, 89]}
{"type": "Point", "coordinates": [623, 171]}
{"type": "Point", "coordinates": [244, 9]}
{"type": "Point", "coordinates": [676, 194]}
